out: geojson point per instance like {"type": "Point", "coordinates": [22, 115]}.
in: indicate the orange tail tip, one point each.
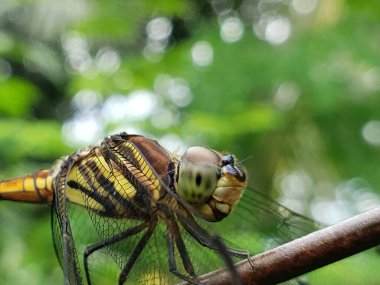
{"type": "Point", "coordinates": [34, 188]}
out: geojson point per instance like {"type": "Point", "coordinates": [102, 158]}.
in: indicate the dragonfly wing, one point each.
{"type": "Point", "coordinates": [114, 201]}
{"type": "Point", "coordinates": [259, 223]}
{"type": "Point", "coordinates": [62, 235]}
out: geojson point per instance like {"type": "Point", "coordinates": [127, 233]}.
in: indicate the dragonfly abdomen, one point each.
{"type": "Point", "coordinates": [34, 188]}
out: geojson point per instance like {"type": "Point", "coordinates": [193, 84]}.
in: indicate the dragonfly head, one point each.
{"type": "Point", "coordinates": [210, 181]}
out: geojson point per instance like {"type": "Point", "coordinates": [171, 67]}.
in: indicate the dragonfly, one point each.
{"type": "Point", "coordinates": [128, 211]}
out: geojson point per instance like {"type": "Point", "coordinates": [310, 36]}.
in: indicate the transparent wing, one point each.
{"type": "Point", "coordinates": [259, 223]}
{"type": "Point", "coordinates": [106, 196]}
{"type": "Point", "coordinates": [62, 234]}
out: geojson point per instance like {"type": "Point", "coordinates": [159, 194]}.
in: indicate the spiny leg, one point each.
{"type": "Point", "coordinates": [215, 243]}
{"type": "Point", "coordinates": [136, 252]}
{"type": "Point", "coordinates": [223, 250]}
{"type": "Point", "coordinates": [174, 236]}
{"type": "Point", "coordinates": [116, 238]}
{"type": "Point", "coordinates": [205, 239]}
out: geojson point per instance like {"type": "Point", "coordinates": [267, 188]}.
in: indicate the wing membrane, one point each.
{"type": "Point", "coordinates": [62, 234]}
{"type": "Point", "coordinates": [116, 200]}
{"type": "Point", "coordinates": [259, 222]}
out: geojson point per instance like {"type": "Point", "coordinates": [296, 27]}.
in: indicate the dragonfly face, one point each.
{"type": "Point", "coordinates": [210, 181]}
{"type": "Point", "coordinates": [131, 206]}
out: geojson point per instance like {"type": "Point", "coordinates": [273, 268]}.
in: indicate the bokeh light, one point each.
{"type": "Point", "coordinates": [176, 89]}
{"type": "Point", "coordinates": [76, 50]}
{"type": "Point", "coordinates": [278, 30]}
{"type": "Point", "coordinates": [222, 7]}
{"type": "Point", "coordinates": [159, 29]}
{"type": "Point", "coordinates": [86, 100]}
{"type": "Point", "coordinates": [83, 129]}
{"type": "Point", "coordinates": [371, 132]}
{"type": "Point", "coordinates": [274, 29]}
{"type": "Point", "coordinates": [138, 105]}
{"type": "Point", "coordinates": [350, 197]}
{"type": "Point", "coordinates": [371, 79]}
{"type": "Point", "coordinates": [107, 60]}
{"type": "Point", "coordinates": [232, 29]}
{"type": "Point", "coordinates": [286, 95]}
{"type": "Point", "coordinates": [304, 7]}
{"type": "Point", "coordinates": [296, 187]}
{"type": "Point", "coordinates": [165, 118]}
{"type": "Point", "coordinates": [202, 54]}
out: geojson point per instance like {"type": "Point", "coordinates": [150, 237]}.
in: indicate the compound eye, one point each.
{"type": "Point", "coordinates": [228, 160]}
{"type": "Point", "coordinates": [198, 154]}
{"type": "Point", "coordinates": [197, 181]}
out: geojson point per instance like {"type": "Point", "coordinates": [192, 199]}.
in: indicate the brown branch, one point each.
{"type": "Point", "coordinates": [307, 253]}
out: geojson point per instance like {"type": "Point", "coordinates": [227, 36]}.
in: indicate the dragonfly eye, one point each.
{"type": "Point", "coordinates": [198, 154]}
{"type": "Point", "coordinates": [198, 174]}
{"type": "Point", "coordinates": [197, 181]}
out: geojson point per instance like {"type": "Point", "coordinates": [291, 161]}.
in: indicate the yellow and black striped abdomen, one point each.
{"type": "Point", "coordinates": [33, 188]}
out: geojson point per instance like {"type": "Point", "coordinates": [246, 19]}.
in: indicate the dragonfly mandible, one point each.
{"type": "Point", "coordinates": [128, 210]}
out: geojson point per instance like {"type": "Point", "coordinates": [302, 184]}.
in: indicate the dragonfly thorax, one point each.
{"type": "Point", "coordinates": [210, 182]}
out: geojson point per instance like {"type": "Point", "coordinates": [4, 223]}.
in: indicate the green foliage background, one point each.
{"type": "Point", "coordinates": [302, 106]}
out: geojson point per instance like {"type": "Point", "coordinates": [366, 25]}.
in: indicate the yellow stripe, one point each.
{"type": "Point", "coordinates": [119, 182]}
{"type": "Point", "coordinates": [49, 183]}
{"type": "Point", "coordinates": [76, 196]}
{"type": "Point", "coordinates": [40, 182]}
{"type": "Point", "coordinates": [28, 184]}
{"type": "Point", "coordinates": [148, 179]}
{"type": "Point", "coordinates": [24, 188]}
{"type": "Point", "coordinates": [123, 186]}
{"type": "Point", "coordinates": [100, 161]}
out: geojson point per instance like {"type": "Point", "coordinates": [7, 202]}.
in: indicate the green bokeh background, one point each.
{"type": "Point", "coordinates": [308, 105]}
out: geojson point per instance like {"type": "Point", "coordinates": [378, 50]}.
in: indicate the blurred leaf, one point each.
{"type": "Point", "coordinates": [17, 97]}
{"type": "Point", "coordinates": [122, 20]}
{"type": "Point", "coordinates": [38, 140]}
{"type": "Point", "coordinates": [255, 119]}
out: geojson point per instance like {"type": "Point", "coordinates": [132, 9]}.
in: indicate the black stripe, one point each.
{"type": "Point", "coordinates": [94, 193]}
{"type": "Point", "coordinates": [107, 185]}
{"type": "Point", "coordinates": [143, 197]}
{"type": "Point", "coordinates": [107, 210]}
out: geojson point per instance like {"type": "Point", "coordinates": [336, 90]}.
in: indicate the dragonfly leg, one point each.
{"type": "Point", "coordinates": [116, 238]}
{"type": "Point", "coordinates": [223, 250]}
{"type": "Point", "coordinates": [215, 243]}
{"type": "Point", "coordinates": [173, 266]}
{"type": "Point", "coordinates": [205, 239]}
{"type": "Point", "coordinates": [174, 237]}
{"type": "Point", "coordinates": [137, 251]}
